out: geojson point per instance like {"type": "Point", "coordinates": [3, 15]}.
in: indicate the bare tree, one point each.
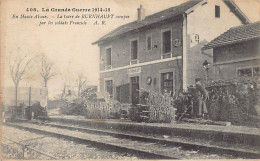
{"type": "Point", "coordinates": [81, 83]}
{"type": "Point", "coordinates": [63, 94]}
{"type": "Point", "coordinates": [46, 70]}
{"type": "Point", "coordinates": [17, 71]}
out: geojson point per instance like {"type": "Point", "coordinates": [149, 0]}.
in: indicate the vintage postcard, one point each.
{"type": "Point", "coordinates": [130, 79]}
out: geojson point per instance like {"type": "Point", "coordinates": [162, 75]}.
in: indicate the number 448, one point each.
{"type": "Point", "coordinates": [31, 10]}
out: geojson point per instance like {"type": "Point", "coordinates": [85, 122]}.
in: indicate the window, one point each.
{"type": "Point", "coordinates": [134, 89]}
{"type": "Point", "coordinates": [245, 72]}
{"type": "Point", "coordinates": [109, 87]}
{"type": "Point", "coordinates": [134, 51]}
{"type": "Point", "coordinates": [166, 42]}
{"type": "Point", "coordinates": [149, 42]}
{"type": "Point", "coordinates": [167, 82]}
{"type": "Point", "coordinates": [249, 72]}
{"type": "Point", "coordinates": [197, 38]}
{"type": "Point", "coordinates": [134, 79]}
{"type": "Point", "coordinates": [108, 58]}
{"type": "Point", "coordinates": [217, 11]}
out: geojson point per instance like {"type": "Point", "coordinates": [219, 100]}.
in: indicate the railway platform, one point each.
{"type": "Point", "coordinates": [236, 135]}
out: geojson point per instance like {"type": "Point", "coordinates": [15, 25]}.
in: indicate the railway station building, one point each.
{"type": "Point", "coordinates": [162, 52]}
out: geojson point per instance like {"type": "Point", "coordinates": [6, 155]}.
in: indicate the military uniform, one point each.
{"type": "Point", "coordinates": [202, 96]}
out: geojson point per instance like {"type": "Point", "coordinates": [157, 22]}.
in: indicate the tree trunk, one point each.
{"type": "Point", "coordinates": [16, 95]}
{"type": "Point", "coordinates": [47, 97]}
{"type": "Point", "coordinates": [45, 83]}
{"type": "Point", "coordinates": [46, 90]}
{"type": "Point", "coordinates": [78, 93]}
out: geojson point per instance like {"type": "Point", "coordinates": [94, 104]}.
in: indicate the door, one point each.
{"type": "Point", "coordinates": [122, 93]}
{"type": "Point", "coordinates": [134, 85]}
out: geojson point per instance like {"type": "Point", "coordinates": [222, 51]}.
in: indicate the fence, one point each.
{"type": "Point", "coordinates": [235, 100]}
{"type": "Point", "coordinates": [160, 106]}
{"type": "Point", "coordinates": [104, 110]}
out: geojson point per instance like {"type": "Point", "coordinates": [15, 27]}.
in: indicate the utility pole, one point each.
{"type": "Point", "coordinates": [206, 65]}
{"type": "Point", "coordinates": [29, 96]}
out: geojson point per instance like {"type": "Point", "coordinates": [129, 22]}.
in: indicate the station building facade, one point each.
{"type": "Point", "coordinates": [162, 52]}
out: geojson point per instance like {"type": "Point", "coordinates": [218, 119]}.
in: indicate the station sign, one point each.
{"type": "Point", "coordinates": [134, 70]}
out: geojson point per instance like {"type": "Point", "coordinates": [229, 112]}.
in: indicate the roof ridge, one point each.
{"type": "Point", "coordinates": [182, 4]}
{"type": "Point", "coordinates": [236, 34]}
{"type": "Point", "coordinates": [151, 19]}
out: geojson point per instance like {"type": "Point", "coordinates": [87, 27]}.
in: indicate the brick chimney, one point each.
{"type": "Point", "coordinates": [140, 13]}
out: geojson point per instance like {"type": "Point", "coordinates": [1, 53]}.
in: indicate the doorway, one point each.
{"type": "Point", "coordinates": [134, 85]}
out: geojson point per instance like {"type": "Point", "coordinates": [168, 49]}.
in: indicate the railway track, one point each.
{"type": "Point", "coordinates": [141, 146]}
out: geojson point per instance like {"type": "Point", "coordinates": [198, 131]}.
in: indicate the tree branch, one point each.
{"type": "Point", "coordinates": [46, 68]}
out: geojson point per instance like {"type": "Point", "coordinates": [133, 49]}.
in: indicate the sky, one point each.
{"type": "Point", "coordinates": [70, 47]}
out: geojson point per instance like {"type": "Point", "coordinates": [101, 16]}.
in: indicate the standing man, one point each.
{"type": "Point", "coordinates": [202, 95]}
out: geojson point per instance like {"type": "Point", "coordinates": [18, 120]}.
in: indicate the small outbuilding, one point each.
{"type": "Point", "coordinates": [236, 53]}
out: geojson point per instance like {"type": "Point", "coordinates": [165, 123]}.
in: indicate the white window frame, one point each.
{"type": "Point", "coordinates": [252, 67]}
{"type": "Point", "coordinates": [107, 67]}
{"type": "Point", "coordinates": [170, 53]}
{"type": "Point", "coordinates": [149, 35]}
{"type": "Point", "coordinates": [134, 61]}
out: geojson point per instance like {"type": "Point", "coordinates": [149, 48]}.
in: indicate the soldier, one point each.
{"type": "Point", "coordinates": [202, 96]}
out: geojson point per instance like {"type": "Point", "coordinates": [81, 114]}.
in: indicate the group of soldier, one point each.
{"type": "Point", "coordinates": [193, 103]}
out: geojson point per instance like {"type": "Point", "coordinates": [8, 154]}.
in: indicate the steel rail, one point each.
{"type": "Point", "coordinates": [139, 152]}
{"type": "Point", "coordinates": [185, 145]}
{"type": "Point", "coordinates": [33, 139]}
{"type": "Point", "coordinates": [29, 148]}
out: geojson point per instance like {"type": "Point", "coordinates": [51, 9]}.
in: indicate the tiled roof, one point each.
{"type": "Point", "coordinates": [235, 35]}
{"type": "Point", "coordinates": [154, 18]}
{"type": "Point", "coordinates": [164, 15]}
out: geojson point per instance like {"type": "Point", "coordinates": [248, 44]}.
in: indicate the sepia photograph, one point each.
{"type": "Point", "coordinates": [129, 79]}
